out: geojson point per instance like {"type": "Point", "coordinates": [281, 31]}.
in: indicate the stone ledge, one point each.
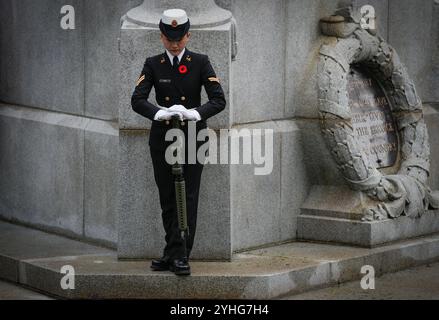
{"type": "Point", "coordinates": [259, 274]}
{"type": "Point", "coordinates": [48, 117]}
{"type": "Point", "coordinates": [365, 233]}
{"type": "Point", "coordinates": [334, 213]}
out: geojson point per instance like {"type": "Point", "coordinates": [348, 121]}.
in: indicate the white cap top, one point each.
{"type": "Point", "coordinates": [174, 17]}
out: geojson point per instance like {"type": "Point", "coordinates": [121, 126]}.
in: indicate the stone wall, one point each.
{"type": "Point", "coordinates": [59, 137]}
{"type": "Point", "coordinates": [274, 85]}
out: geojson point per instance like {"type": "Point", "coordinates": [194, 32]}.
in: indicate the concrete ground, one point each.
{"type": "Point", "coordinates": [9, 291]}
{"type": "Point", "coordinates": [45, 262]}
{"type": "Point", "coordinates": [420, 283]}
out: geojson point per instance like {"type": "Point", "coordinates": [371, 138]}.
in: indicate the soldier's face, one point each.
{"type": "Point", "coordinates": [175, 47]}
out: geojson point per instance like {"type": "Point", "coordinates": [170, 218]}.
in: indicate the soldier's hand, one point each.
{"type": "Point", "coordinates": [188, 114]}
{"type": "Point", "coordinates": [178, 107]}
{"type": "Point", "coordinates": [167, 115]}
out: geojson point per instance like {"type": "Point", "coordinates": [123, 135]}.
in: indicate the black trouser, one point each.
{"type": "Point", "coordinates": [165, 183]}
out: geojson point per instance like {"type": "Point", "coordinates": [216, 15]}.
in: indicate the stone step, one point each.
{"type": "Point", "coordinates": [334, 213]}
{"type": "Point", "coordinates": [34, 259]}
{"type": "Point", "coordinates": [365, 233]}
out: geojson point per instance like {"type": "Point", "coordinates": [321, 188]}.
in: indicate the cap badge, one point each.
{"type": "Point", "coordinates": [174, 23]}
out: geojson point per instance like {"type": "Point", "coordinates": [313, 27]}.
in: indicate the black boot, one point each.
{"type": "Point", "coordinates": [161, 264]}
{"type": "Point", "coordinates": [180, 267]}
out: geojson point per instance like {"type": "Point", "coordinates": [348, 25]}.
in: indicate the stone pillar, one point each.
{"type": "Point", "coordinates": [140, 230]}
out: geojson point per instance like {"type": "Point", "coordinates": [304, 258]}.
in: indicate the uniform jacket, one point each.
{"type": "Point", "coordinates": [177, 86]}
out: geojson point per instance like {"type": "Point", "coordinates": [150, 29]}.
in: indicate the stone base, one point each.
{"type": "Point", "coordinates": [333, 214]}
{"type": "Point", "coordinates": [34, 259]}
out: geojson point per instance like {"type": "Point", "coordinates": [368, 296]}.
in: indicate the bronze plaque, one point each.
{"type": "Point", "coordinates": [372, 119]}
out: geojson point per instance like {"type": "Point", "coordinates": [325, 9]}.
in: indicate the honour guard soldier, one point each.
{"type": "Point", "coordinates": [177, 76]}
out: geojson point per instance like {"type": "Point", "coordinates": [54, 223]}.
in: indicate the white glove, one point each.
{"type": "Point", "coordinates": [188, 114]}
{"type": "Point", "coordinates": [167, 115]}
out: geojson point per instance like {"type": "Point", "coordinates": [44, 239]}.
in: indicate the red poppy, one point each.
{"type": "Point", "coordinates": [182, 69]}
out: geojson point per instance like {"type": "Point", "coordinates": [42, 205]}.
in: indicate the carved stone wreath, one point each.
{"type": "Point", "coordinates": [404, 193]}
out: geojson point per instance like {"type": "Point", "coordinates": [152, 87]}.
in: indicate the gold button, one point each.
{"type": "Point", "coordinates": [167, 98]}
{"type": "Point", "coordinates": [183, 98]}
{"type": "Point", "coordinates": [167, 122]}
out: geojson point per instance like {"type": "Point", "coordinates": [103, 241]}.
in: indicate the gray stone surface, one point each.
{"type": "Point", "coordinates": [431, 116]}
{"type": "Point", "coordinates": [42, 163]}
{"type": "Point", "coordinates": [85, 59]}
{"type": "Point", "coordinates": [19, 243]}
{"type": "Point", "coordinates": [213, 240]}
{"type": "Point", "coordinates": [9, 291]}
{"type": "Point", "coordinates": [418, 283]}
{"type": "Point", "coordinates": [322, 219]}
{"type": "Point", "coordinates": [302, 47]}
{"type": "Point", "coordinates": [42, 64]}
{"type": "Point", "coordinates": [294, 177]}
{"type": "Point", "coordinates": [133, 53]}
{"type": "Point", "coordinates": [335, 110]}
{"type": "Point", "coordinates": [258, 274]}
{"type": "Point", "coordinates": [435, 70]}
{"type": "Point", "coordinates": [139, 223]}
{"type": "Point", "coordinates": [59, 172]}
{"type": "Point", "coordinates": [225, 4]}
{"type": "Point", "coordinates": [320, 166]}
{"type": "Point", "coordinates": [202, 13]}
{"type": "Point", "coordinates": [102, 25]}
{"type": "Point", "coordinates": [336, 202]}
{"type": "Point", "coordinates": [302, 51]}
{"type": "Point", "coordinates": [279, 193]}
{"type": "Point", "coordinates": [317, 227]}
{"type": "Point", "coordinates": [258, 77]}
{"type": "Point", "coordinates": [411, 27]}
{"type": "Point", "coordinates": [8, 268]}
{"type": "Point", "coordinates": [101, 151]}
{"type": "Point", "coordinates": [253, 196]}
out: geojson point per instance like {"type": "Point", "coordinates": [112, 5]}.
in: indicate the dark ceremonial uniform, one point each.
{"type": "Point", "coordinates": [177, 85]}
